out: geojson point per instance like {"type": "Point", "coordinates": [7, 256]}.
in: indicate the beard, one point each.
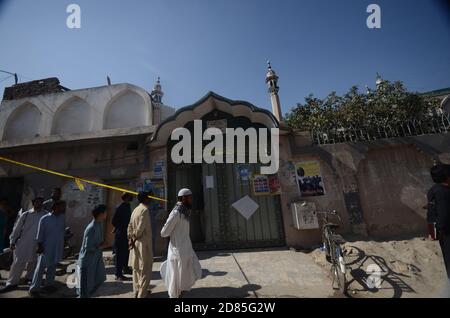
{"type": "Point", "coordinates": [188, 205]}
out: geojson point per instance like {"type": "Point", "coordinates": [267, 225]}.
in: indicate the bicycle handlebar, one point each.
{"type": "Point", "coordinates": [334, 212]}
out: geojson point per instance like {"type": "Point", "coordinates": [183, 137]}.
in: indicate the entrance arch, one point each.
{"type": "Point", "coordinates": [215, 224]}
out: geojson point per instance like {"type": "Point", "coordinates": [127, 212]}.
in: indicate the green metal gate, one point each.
{"type": "Point", "coordinates": [225, 227]}
{"type": "Point", "coordinates": [215, 224]}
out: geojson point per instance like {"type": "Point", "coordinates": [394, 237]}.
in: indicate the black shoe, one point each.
{"type": "Point", "coordinates": [128, 271]}
{"type": "Point", "coordinates": [49, 289]}
{"type": "Point", "coordinates": [7, 288]}
{"type": "Point", "coordinates": [122, 278]}
{"type": "Point", "coordinates": [34, 294]}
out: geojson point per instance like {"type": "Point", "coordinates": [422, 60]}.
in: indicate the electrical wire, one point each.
{"type": "Point", "coordinates": [5, 78]}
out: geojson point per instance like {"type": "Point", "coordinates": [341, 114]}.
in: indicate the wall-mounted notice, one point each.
{"type": "Point", "coordinates": [288, 175]}
{"type": "Point", "coordinates": [274, 185]}
{"type": "Point", "coordinates": [209, 182]}
{"type": "Point", "coordinates": [246, 207]}
{"type": "Point", "coordinates": [309, 179]}
{"type": "Point", "coordinates": [158, 169]}
{"type": "Point", "coordinates": [157, 186]}
{"type": "Point", "coordinates": [243, 172]}
{"type": "Point", "coordinates": [261, 184]}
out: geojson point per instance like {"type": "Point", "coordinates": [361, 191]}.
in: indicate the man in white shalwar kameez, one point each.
{"type": "Point", "coordinates": [23, 243]}
{"type": "Point", "coordinates": [181, 269]}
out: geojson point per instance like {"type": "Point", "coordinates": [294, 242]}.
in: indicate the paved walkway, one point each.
{"type": "Point", "coordinates": [266, 273]}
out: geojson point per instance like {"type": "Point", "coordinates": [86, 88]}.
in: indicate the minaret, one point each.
{"type": "Point", "coordinates": [272, 83]}
{"type": "Point", "coordinates": [379, 81]}
{"type": "Point", "coordinates": [157, 93]}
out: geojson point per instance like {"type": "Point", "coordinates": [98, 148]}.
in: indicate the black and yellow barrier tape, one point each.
{"type": "Point", "coordinates": [78, 181]}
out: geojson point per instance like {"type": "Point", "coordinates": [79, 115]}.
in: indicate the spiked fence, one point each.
{"type": "Point", "coordinates": [436, 124]}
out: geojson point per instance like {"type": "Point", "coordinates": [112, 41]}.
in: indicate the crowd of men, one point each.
{"type": "Point", "coordinates": [37, 243]}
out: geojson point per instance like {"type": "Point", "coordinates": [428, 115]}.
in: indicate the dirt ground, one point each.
{"type": "Point", "coordinates": [408, 268]}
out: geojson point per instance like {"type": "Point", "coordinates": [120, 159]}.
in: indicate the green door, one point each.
{"type": "Point", "coordinates": [224, 226]}
{"type": "Point", "coordinates": [189, 176]}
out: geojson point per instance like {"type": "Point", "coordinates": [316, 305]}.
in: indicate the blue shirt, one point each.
{"type": "Point", "coordinates": [51, 236]}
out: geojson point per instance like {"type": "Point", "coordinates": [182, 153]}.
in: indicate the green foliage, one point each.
{"type": "Point", "coordinates": [388, 105]}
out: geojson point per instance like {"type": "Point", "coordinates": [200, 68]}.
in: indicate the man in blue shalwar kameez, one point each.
{"type": "Point", "coordinates": [50, 240]}
{"type": "Point", "coordinates": [91, 266]}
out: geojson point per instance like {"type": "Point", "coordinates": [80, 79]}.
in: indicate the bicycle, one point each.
{"type": "Point", "coordinates": [334, 253]}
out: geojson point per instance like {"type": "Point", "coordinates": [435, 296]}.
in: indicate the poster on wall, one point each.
{"type": "Point", "coordinates": [288, 175]}
{"type": "Point", "coordinates": [156, 185]}
{"type": "Point", "coordinates": [147, 185]}
{"type": "Point", "coordinates": [266, 184]}
{"type": "Point", "coordinates": [274, 185]}
{"type": "Point", "coordinates": [80, 203]}
{"type": "Point", "coordinates": [261, 184]}
{"type": "Point", "coordinates": [243, 172]}
{"type": "Point", "coordinates": [158, 169]}
{"type": "Point", "coordinates": [309, 179]}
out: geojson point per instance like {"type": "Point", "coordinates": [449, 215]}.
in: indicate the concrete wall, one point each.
{"type": "Point", "coordinates": [379, 187]}
{"type": "Point", "coordinates": [332, 200]}
{"type": "Point", "coordinates": [77, 111]}
{"type": "Point", "coordinates": [393, 182]}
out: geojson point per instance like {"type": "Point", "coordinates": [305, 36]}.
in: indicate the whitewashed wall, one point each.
{"type": "Point", "coordinates": [74, 112]}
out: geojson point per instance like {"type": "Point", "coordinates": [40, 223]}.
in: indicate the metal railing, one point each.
{"type": "Point", "coordinates": [437, 124]}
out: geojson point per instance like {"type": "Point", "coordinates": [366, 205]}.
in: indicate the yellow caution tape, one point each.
{"type": "Point", "coordinates": [78, 181]}
{"type": "Point", "coordinates": [80, 184]}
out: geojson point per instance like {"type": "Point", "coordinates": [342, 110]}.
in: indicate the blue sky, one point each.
{"type": "Point", "coordinates": [316, 46]}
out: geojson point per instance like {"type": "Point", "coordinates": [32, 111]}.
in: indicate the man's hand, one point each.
{"type": "Point", "coordinates": [131, 242]}
{"type": "Point", "coordinates": [12, 247]}
{"type": "Point", "coordinates": [40, 249]}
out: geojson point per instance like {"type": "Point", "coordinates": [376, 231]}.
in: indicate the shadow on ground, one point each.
{"type": "Point", "coordinates": [217, 292]}
{"type": "Point", "coordinates": [385, 281]}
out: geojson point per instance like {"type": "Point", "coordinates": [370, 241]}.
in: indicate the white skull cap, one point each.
{"type": "Point", "coordinates": [184, 192]}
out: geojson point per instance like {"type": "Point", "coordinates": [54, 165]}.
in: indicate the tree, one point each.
{"type": "Point", "coordinates": [389, 105]}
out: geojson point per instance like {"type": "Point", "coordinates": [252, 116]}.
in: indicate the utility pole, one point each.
{"type": "Point", "coordinates": [13, 74]}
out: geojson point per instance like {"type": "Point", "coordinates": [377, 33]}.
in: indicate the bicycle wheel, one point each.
{"type": "Point", "coordinates": [339, 269]}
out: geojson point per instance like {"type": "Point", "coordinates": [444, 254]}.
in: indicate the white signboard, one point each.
{"type": "Point", "coordinates": [304, 216]}
{"type": "Point", "coordinates": [246, 207]}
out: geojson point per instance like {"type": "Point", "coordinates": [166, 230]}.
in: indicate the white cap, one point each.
{"type": "Point", "coordinates": [184, 192]}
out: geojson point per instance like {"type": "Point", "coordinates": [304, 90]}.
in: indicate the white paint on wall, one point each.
{"type": "Point", "coordinates": [104, 111]}
{"type": "Point", "coordinates": [126, 110]}
{"type": "Point", "coordinates": [23, 122]}
{"type": "Point", "coordinates": [73, 117]}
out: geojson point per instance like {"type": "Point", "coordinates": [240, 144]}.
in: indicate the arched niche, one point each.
{"type": "Point", "coordinates": [23, 123]}
{"type": "Point", "coordinates": [129, 109]}
{"type": "Point", "coordinates": [73, 117]}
